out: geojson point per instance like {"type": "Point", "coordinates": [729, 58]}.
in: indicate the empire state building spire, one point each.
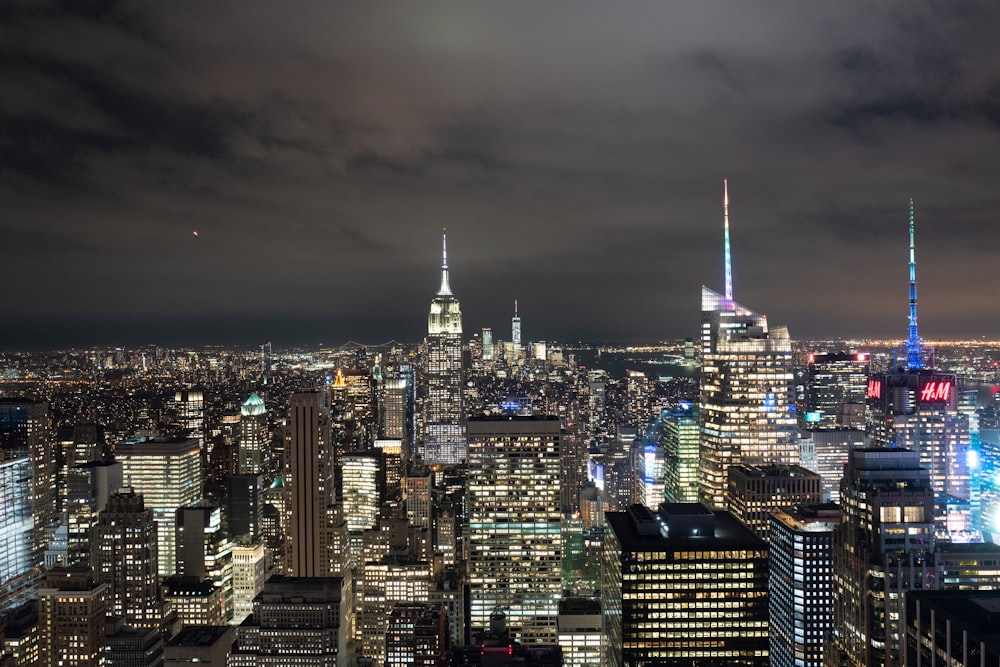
{"type": "Point", "coordinates": [445, 287]}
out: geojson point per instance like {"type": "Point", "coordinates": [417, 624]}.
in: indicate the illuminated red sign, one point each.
{"type": "Point", "coordinates": [935, 391]}
{"type": "Point", "coordinates": [874, 389]}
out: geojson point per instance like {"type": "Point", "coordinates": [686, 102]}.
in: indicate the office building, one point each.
{"type": "Point", "coordinates": [249, 575]}
{"type": "Point", "coordinates": [418, 496]}
{"type": "Point", "coordinates": [515, 541]}
{"type": "Point", "coordinates": [309, 487]}
{"type": "Point", "coordinates": [579, 626]}
{"type": "Point", "coordinates": [916, 407]}
{"type": "Point", "coordinates": [801, 583]}
{"type": "Point", "coordinates": [126, 558]}
{"type": "Point", "coordinates": [167, 472]}
{"type": "Point", "coordinates": [747, 409]}
{"type": "Point", "coordinates": [205, 551]}
{"type": "Point", "coordinates": [71, 610]}
{"type": "Point", "coordinates": [133, 647]}
{"type": "Point", "coordinates": [394, 578]}
{"type": "Point", "coordinates": [958, 629]}
{"type": "Point", "coordinates": [360, 474]}
{"type": "Point", "coordinates": [207, 646]}
{"type": "Point", "coordinates": [195, 601]}
{"type": "Point", "coordinates": [832, 449]}
{"type": "Point", "coordinates": [244, 502]}
{"type": "Point", "coordinates": [25, 431]}
{"type": "Point", "coordinates": [295, 620]}
{"type": "Point", "coordinates": [881, 549]}
{"type": "Point", "coordinates": [680, 437]}
{"type": "Point", "coordinates": [683, 586]}
{"type": "Point", "coordinates": [254, 437]}
{"type": "Point", "coordinates": [757, 490]}
{"type": "Point", "coordinates": [88, 486]}
{"type": "Point", "coordinates": [417, 635]}
{"type": "Point", "coordinates": [444, 422]}
{"type": "Point", "coordinates": [835, 390]}
{"type": "Point", "coordinates": [19, 568]}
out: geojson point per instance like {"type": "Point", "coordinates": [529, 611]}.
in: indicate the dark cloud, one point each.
{"type": "Point", "coordinates": [574, 151]}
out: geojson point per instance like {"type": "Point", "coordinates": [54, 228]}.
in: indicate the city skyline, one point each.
{"type": "Point", "coordinates": [239, 173]}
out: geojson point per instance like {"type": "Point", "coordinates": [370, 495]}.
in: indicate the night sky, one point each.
{"type": "Point", "coordinates": [574, 150]}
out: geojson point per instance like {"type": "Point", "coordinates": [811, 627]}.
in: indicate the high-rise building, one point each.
{"type": "Point", "coordinates": [444, 424]}
{"type": "Point", "coordinates": [204, 645]}
{"type": "Point", "coordinates": [254, 437]}
{"type": "Point", "coordinates": [952, 628]}
{"type": "Point", "coordinates": [487, 344]}
{"type": "Point", "coordinates": [88, 487]}
{"type": "Point", "coordinates": [72, 606]}
{"type": "Point", "coordinates": [249, 575]}
{"type": "Point", "coordinates": [309, 489]}
{"type": "Point", "coordinates": [515, 327]}
{"type": "Point", "coordinates": [25, 430]}
{"type": "Point", "coordinates": [417, 635]}
{"type": "Point", "coordinates": [167, 472]}
{"type": "Point", "coordinates": [515, 541]}
{"type": "Point", "coordinates": [747, 408]}
{"type": "Point", "coordinates": [916, 407]}
{"type": "Point", "coordinates": [801, 583]}
{"type": "Point", "coordinates": [395, 578]}
{"type": "Point", "coordinates": [756, 491]}
{"type": "Point", "coordinates": [196, 601]}
{"type": "Point", "coordinates": [360, 488]}
{"type": "Point", "coordinates": [244, 502]}
{"type": "Point", "coordinates": [19, 568]}
{"type": "Point", "coordinates": [680, 436]}
{"type": "Point", "coordinates": [205, 551]}
{"type": "Point", "coordinates": [580, 632]}
{"type": "Point", "coordinates": [683, 586]}
{"type": "Point", "coordinates": [881, 548]}
{"type": "Point", "coordinates": [126, 557]}
{"type": "Point", "coordinates": [295, 620]}
{"type": "Point", "coordinates": [832, 449]}
{"type": "Point", "coordinates": [835, 390]}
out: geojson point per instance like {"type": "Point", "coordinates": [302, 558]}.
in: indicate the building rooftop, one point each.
{"type": "Point", "coordinates": [728, 532]}
{"type": "Point", "coordinates": [200, 635]}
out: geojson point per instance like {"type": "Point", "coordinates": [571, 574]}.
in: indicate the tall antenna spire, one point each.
{"type": "Point", "coordinates": [729, 255]}
{"type": "Point", "coordinates": [445, 287]}
{"type": "Point", "coordinates": [914, 346]}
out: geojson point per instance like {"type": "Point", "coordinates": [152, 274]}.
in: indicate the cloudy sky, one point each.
{"type": "Point", "coordinates": [574, 150]}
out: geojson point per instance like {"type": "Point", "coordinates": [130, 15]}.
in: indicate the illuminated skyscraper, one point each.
{"type": "Point", "coordinates": [19, 569]}
{"type": "Point", "coordinates": [683, 586]}
{"type": "Point", "coordinates": [253, 436]}
{"type": "Point", "coordinates": [515, 563]}
{"type": "Point", "coordinates": [836, 390]}
{"type": "Point", "coordinates": [679, 434]}
{"type": "Point", "coordinates": [444, 426]}
{"type": "Point", "coordinates": [916, 407]}
{"type": "Point", "coordinates": [487, 344]}
{"type": "Point", "coordinates": [801, 584]}
{"type": "Point", "coordinates": [168, 474]}
{"type": "Point", "coordinates": [126, 558]}
{"type": "Point", "coordinates": [756, 491]}
{"type": "Point", "coordinates": [359, 483]}
{"type": "Point", "coordinates": [747, 408]}
{"type": "Point", "coordinates": [25, 431]}
{"type": "Point", "coordinates": [515, 327]}
{"type": "Point", "coordinates": [71, 614]}
{"type": "Point", "coordinates": [309, 490]}
{"type": "Point", "coordinates": [881, 549]}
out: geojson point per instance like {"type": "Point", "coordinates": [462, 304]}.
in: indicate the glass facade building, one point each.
{"type": "Point", "coordinates": [515, 537]}
{"type": "Point", "coordinates": [684, 585]}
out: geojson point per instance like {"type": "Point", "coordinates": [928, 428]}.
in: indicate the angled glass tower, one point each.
{"type": "Point", "coordinates": [747, 400]}
{"type": "Point", "coordinates": [444, 427]}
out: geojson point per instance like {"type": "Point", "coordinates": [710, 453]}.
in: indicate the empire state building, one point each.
{"type": "Point", "coordinates": [444, 431]}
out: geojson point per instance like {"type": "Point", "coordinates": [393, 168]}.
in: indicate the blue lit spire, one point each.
{"type": "Point", "coordinates": [445, 287]}
{"type": "Point", "coordinates": [914, 346]}
{"type": "Point", "coordinates": [729, 255]}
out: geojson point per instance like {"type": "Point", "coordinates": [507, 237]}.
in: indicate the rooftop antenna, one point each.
{"type": "Point", "coordinates": [729, 255]}
{"type": "Point", "coordinates": [445, 287]}
{"type": "Point", "coordinates": [914, 346]}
